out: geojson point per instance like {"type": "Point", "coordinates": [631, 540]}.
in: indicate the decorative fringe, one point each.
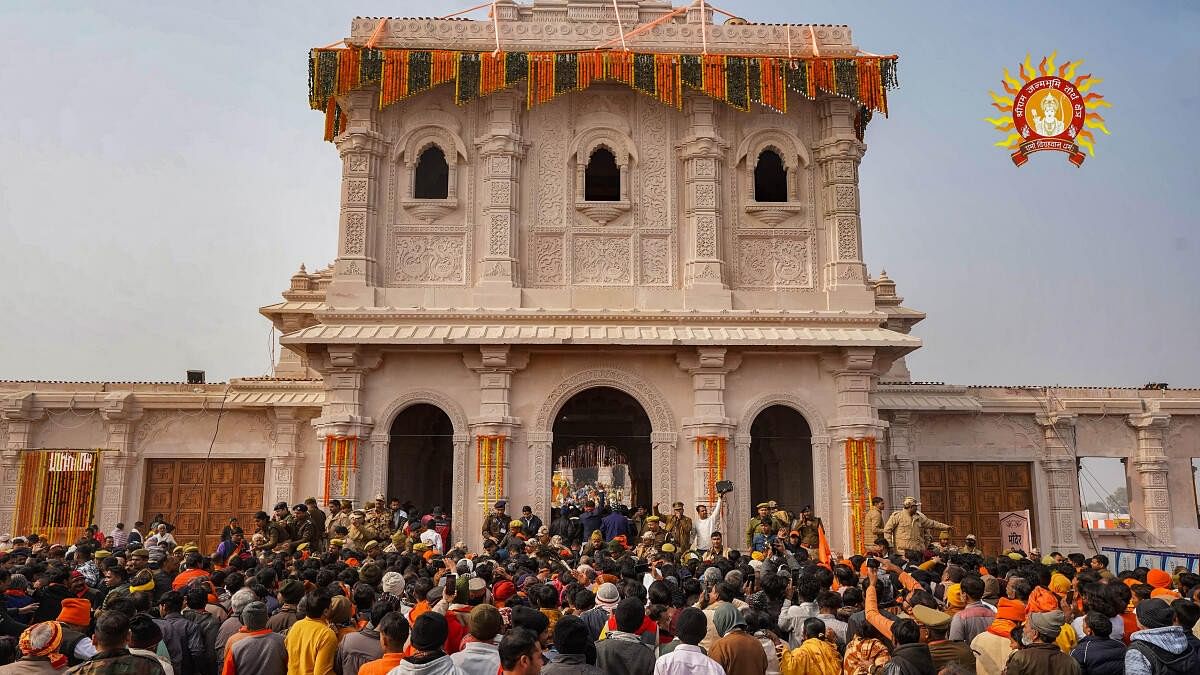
{"type": "Point", "coordinates": [489, 468]}
{"type": "Point", "coordinates": [716, 459]}
{"type": "Point", "coordinates": [341, 458]}
{"type": "Point", "coordinates": [57, 493]}
{"type": "Point", "coordinates": [736, 80]}
{"type": "Point", "coordinates": [861, 478]}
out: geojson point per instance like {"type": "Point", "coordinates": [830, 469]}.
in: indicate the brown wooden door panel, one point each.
{"type": "Point", "coordinates": [198, 497]}
{"type": "Point", "coordinates": [969, 495]}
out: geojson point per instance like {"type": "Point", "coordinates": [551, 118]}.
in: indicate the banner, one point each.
{"type": "Point", "coordinates": [1121, 559]}
{"type": "Point", "coordinates": [1014, 530]}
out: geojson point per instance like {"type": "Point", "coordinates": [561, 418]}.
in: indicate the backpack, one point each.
{"type": "Point", "coordinates": [1163, 662]}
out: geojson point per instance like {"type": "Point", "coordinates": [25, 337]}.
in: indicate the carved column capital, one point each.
{"type": "Point", "coordinates": [1149, 422]}
{"type": "Point", "coordinates": [1055, 419]}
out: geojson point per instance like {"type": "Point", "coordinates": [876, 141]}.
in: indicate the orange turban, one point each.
{"type": "Point", "coordinates": [44, 639]}
{"type": "Point", "coordinates": [1158, 579]}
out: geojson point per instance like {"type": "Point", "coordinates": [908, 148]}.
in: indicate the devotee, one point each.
{"type": "Point", "coordinates": [393, 634]}
{"type": "Point", "coordinates": [623, 652]}
{"type": "Point", "coordinates": [572, 642]}
{"type": "Point", "coordinates": [1161, 646]}
{"type": "Point", "coordinates": [687, 658]}
{"type": "Point", "coordinates": [1039, 655]}
{"type": "Point", "coordinates": [480, 653]}
{"type": "Point", "coordinates": [39, 652]}
{"type": "Point", "coordinates": [520, 654]}
{"type": "Point", "coordinates": [311, 644]}
{"type": "Point", "coordinates": [111, 637]}
{"type": "Point", "coordinates": [736, 651]}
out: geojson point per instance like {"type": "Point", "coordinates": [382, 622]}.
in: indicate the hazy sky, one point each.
{"type": "Point", "coordinates": [161, 177]}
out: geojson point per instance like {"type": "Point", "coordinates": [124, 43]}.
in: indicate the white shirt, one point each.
{"type": "Point", "coordinates": [704, 529]}
{"type": "Point", "coordinates": [687, 660]}
{"type": "Point", "coordinates": [1118, 627]}
{"type": "Point", "coordinates": [433, 540]}
{"type": "Point", "coordinates": [477, 658]}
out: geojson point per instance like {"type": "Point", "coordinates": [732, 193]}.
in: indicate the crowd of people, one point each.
{"type": "Point", "coordinates": [600, 590]}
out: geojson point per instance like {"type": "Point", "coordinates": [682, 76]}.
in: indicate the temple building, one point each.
{"type": "Point", "coordinates": [559, 266]}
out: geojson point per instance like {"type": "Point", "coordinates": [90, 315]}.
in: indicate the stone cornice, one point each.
{"type": "Point", "coordinates": [621, 316]}
{"type": "Point", "coordinates": [676, 36]}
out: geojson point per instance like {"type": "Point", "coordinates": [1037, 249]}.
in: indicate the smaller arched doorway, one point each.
{"type": "Point", "coordinates": [781, 459]}
{"type": "Point", "coordinates": [421, 458]}
{"type": "Point", "coordinates": [602, 435]}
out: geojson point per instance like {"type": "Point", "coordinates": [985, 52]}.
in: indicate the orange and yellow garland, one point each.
{"type": "Point", "coordinates": [341, 457]}
{"type": "Point", "coordinates": [489, 468]}
{"type": "Point", "coordinates": [861, 477]}
{"type": "Point", "coordinates": [716, 457]}
{"type": "Point", "coordinates": [57, 493]}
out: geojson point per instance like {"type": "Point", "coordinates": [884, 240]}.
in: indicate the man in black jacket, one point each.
{"type": "Point", "coordinates": [183, 639]}
{"type": "Point", "coordinates": [8, 625]}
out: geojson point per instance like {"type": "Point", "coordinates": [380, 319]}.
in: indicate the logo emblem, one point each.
{"type": "Point", "coordinates": [1048, 109]}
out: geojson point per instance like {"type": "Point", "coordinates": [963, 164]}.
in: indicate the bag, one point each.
{"type": "Point", "coordinates": [1163, 662]}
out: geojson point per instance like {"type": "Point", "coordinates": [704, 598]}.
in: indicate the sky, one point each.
{"type": "Point", "coordinates": [161, 177]}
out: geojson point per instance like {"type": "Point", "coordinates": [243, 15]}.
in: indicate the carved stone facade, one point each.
{"type": "Point", "coordinates": [501, 301]}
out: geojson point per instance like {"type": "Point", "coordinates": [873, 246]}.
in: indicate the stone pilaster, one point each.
{"type": "Point", "coordinates": [118, 462]}
{"type": "Point", "coordinates": [1151, 464]}
{"type": "Point", "coordinates": [362, 149]}
{"type": "Point", "coordinates": [901, 466]}
{"type": "Point", "coordinates": [1062, 478]}
{"type": "Point", "coordinates": [345, 369]}
{"type": "Point", "coordinates": [854, 372]}
{"type": "Point", "coordinates": [703, 154]}
{"type": "Point", "coordinates": [286, 455]}
{"type": "Point", "coordinates": [708, 367]}
{"type": "Point", "coordinates": [838, 152]}
{"type": "Point", "coordinates": [500, 152]}
{"type": "Point", "coordinates": [20, 413]}
{"type": "Point", "coordinates": [495, 365]}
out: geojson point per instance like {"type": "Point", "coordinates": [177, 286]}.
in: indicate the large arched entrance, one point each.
{"type": "Point", "coordinates": [602, 435]}
{"type": "Point", "coordinates": [421, 458]}
{"type": "Point", "coordinates": [781, 459]}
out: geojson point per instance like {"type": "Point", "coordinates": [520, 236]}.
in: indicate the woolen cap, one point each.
{"type": "Point", "coordinates": [76, 611]}
{"type": "Point", "coordinates": [484, 622]}
{"type": "Point", "coordinates": [1152, 613]}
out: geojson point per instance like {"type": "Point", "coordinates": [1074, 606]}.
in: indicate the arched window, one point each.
{"type": "Point", "coordinates": [432, 179]}
{"type": "Point", "coordinates": [770, 178]}
{"type": "Point", "coordinates": [602, 178]}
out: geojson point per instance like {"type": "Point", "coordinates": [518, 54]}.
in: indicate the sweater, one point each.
{"type": "Point", "coordinates": [357, 649]}
{"type": "Point", "coordinates": [739, 653]}
{"type": "Point", "coordinates": [1100, 656]}
{"type": "Point", "coordinates": [311, 646]}
{"type": "Point", "coordinates": [257, 653]}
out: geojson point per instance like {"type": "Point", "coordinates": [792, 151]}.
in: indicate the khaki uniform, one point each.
{"type": "Point", "coordinates": [752, 527]}
{"type": "Point", "coordinates": [359, 536]}
{"type": "Point", "coordinates": [907, 532]}
{"type": "Point", "coordinates": [874, 524]}
{"type": "Point", "coordinates": [380, 521]}
{"type": "Point", "coordinates": [678, 527]}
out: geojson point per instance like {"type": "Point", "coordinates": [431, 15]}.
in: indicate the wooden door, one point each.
{"type": "Point", "coordinates": [970, 495]}
{"type": "Point", "coordinates": [199, 496]}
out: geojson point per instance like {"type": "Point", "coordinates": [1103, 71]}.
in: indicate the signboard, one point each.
{"type": "Point", "coordinates": [1014, 530]}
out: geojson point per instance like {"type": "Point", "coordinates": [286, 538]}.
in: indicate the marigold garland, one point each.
{"type": "Point", "coordinates": [716, 459]}
{"type": "Point", "coordinates": [341, 458]}
{"type": "Point", "coordinates": [736, 80]}
{"type": "Point", "coordinates": [861, 477]}
{"type": "Point", "coordinates": [489, 468]}
{"type": "Point", "coordinates": [57, 492]}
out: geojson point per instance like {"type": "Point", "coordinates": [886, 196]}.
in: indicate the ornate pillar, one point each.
{"type": "Point", "coordinates": [362, 149]}
{"type": "Point", "coordinates": [708, 367]}
{"type": "Point", "coordinates": [1151, 464]}
{"type": "Point", "coordinates": [901, 467]}
{"type": "Point", "coordinates": [540, 446]}
{"type": "Point", "coordinates": [1062, 478]}
{"type": "Point", "coordinates": [663, 448]}
{"type": "Point", "coordinates": [838, 152]}
{"type": "Point", "coordinates": [703, 154]}
{"type": "Point", "coordinates": [285, 458]}
{"type": "Point", "coordinates": [20, 412]}
{"type": "Point", "coordinates": [854, 372]}
{"type": "Point", "coordinates": [500, 151]}
{"type": "Point", "coordinates": [345, 368]}
{"type": "Point", "coordinates": [118, 462]}
{"type": "Point", "coordinates": [495, 365]}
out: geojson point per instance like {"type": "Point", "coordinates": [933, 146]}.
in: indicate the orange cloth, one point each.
{"type": "Point", "coordinates": [1158, 579]}
{"type": "Point", "coordinates": [186, 578]}
{"type": "Point", "coordinates": [1008, 614]}
{"type": "Point", "coordinates": [1131, 625]}
{"type": "Point", "coordinates": [76, 611]}
{"type": "Point", "coordinates": [419, 609]}
{"type": "Point", "coordinates": [381, 666]}
{"type": "Point", "coordinates": [1042, 600]}
{"type": "Point", "coordinates": [230, 667]}
{"type": "Point", "coordinates": [1165, 594]}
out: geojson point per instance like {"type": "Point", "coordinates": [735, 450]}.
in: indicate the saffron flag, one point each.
{"type": "Point", "coordinates": [823, 547]}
